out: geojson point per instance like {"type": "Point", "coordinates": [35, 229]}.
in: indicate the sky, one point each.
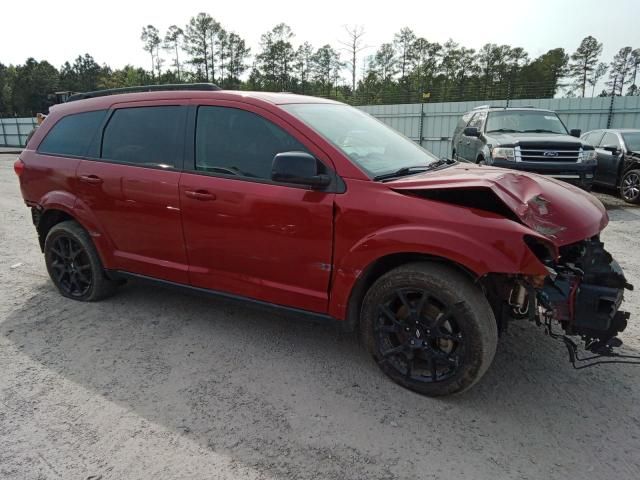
{"type": "Point", "coordinates": [61, 30]}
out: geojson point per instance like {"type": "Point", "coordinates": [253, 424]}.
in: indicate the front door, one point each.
{"type": "Point", "coordinates": [245, 234]}
{"type": "Point", "coordinates": [608, 161]}
{"type": "Point", "coordinates": [132, 190]}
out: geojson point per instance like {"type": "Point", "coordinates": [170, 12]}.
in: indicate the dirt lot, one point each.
{"type": "Point", "coordinates": [159, 384]}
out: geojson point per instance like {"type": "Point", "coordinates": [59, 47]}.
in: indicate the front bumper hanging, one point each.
{"type": "Point", "coordinates": [584, 293]}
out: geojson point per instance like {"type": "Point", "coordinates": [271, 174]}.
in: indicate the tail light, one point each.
{"type": "Point", "coordinates": [18, 167]}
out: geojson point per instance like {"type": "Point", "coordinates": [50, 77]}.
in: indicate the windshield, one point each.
{"type": "Point", "coordinates": [376, 148]}
{"type": "Point", "coordinates": [521, 121]}
{"type": "Point", "coordinates": [632, 141]}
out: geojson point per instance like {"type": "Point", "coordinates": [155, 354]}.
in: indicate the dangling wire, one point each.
{"type": "Point", "coordinates": [574, 356]}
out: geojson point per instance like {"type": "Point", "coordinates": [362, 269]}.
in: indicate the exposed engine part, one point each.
{"type": "Point", "coordinates": [587, 292]}
{"type": "Point", "coordinates": [583, 293]}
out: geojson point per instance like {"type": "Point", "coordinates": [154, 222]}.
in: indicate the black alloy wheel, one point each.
{"type": "Point", "coordinates": [70, 266]}
{"type": "Point", "coordinates": [419, 336]}
{"type": "Point", "coordinates": [630, 186]}
{"type": "Point", "coordinates": [429, 327]}
{"type": "Point", "coordinates": [74, 265]}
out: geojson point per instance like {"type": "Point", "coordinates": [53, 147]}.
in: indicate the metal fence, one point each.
{"type": "Point", "coordinates": [432, 124]}
{"type": "Point", "coordinates": [14, 131]}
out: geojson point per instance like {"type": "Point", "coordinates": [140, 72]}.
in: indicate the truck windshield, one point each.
{"type": "Point", "coordinates": [375, 147]}
{"type": "Point", "coordinates": [522, 121]}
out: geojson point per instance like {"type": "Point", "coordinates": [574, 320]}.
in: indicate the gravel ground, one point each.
{"type": "Point", "coordinates": [154, 383]}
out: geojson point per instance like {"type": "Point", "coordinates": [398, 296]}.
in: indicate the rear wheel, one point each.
{"type": "Point", "coordinates": [630, 186]}
{"type": "Point", "coordinates": [74, 265]}
{"type": "Point", "coordinates": [429, 328]}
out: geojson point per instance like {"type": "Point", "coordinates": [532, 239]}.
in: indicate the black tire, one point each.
{"type": "Point", "coordinates": [454, 322]}
{"type": "Point", "coordinates": [480, 160]}
{"type": "Point", "coordinates": [630, 186]}
{"type": "Point", "coordinates": [74, 265]}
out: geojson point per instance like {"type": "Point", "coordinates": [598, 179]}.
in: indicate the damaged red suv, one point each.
{"type": "Point", "coordinates": [314, 206]}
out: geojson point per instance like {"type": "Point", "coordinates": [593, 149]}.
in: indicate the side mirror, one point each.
{"type": "Point", "coordinates": [611, 148]}
{"type": "Point", "coordinates": [299, 168]}
{"type": "Point", "coordinates": [575, 132]}
{"type": "Point", "coordinates": [471, 132]}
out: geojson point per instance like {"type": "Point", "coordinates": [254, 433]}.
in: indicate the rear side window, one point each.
{"type": "Point", "coordinates": [236, 142]}
{"type": "Point", "coordinates": [72, 135]}
{"type": "Point", "coordinates": [145, 136]}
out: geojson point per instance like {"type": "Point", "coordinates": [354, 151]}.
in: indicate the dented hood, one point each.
{"type": "Point", "coordinates": [559, 211]}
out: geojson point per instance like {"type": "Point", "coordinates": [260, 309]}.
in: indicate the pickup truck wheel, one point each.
{"type": "Point", "coordinates": [74, 265]}
{"type": "Point", "coordinates": [429, 328]}
{"type": "Point", "coordinates": [630, 186]}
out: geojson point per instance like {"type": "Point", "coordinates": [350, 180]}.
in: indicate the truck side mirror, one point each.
{"type": "Point", "coordinates": [471, 132]}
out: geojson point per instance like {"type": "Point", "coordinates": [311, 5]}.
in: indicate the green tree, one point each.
{"type": "Point", "coordinates": [598, 73]}
{"type": "Point", "coordinates": [237, 55]}
{"type": "Point", "coordinates": [621, 66]}
{"type": "Point", "coordinates": [304, 64]}
{"type": "Point", "coordinates": [151, 38]}
{"type": "Point", "coordinates": [172, 40]}
{"type": "Point", "coordinates": [277, 58]}
{"type": "Point", "coordinates": [197, 36]}
{"type": "Point", "coordinates": [385, 62]}
{"type": "Point", "coordinates": [326, 63]}
{"type": "Point", "coordinates": [32, 84]}
{"type": "Point", "coordinates": [583, 63]}
{"type": "Point", "coordinates": [83, 75]}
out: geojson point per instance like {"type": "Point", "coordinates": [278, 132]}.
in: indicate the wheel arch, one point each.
{"type": "Point", "coordinates": [384, 264]}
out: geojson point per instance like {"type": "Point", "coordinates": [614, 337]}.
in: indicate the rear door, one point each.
{"type": "Point", "coordinates": [245, 234]}
{"type": "Point", "coordinates": [131, 187]}
{"type": "Point", "coordinates": [608, 162]}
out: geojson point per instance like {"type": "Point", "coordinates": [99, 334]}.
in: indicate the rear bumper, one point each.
{"type": "Point", "coordinates": [580, 174]}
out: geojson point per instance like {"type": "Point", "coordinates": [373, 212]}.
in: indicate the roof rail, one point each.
{"type": "Point", "coordinates": [480, 107]}
{"type": "Point", "coordinates": [144, 88]}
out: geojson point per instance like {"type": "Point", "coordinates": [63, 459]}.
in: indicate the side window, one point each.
{"type": "Point", "coordinates": [610, 139]}
{"type": "Point", "coordinates": [464, 120]}
{"type": "Point", "coordinates": [72, 134]}
{"type": "Point", "coordinates": [237, 142]}
{"type": "Point", "coordinates": [593, 137]}
{"type": "Point", "coordinates": [478, 120]}
{"type": "Point", "coordinates": [145, 136]}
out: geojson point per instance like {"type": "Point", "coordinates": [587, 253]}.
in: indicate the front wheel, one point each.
{"type": "Point", "coordinates": [630, 186]}
{"type": "Point", "coordinates": [429, 328]}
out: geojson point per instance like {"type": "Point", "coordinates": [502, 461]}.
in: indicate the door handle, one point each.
{"type": "Point", "coordinates": [200, 195]}
{"type": "Point", "coordinates": [92, 179]}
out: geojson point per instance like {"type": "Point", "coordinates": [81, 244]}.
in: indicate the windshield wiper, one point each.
{"type": "Point", "coordinates": [541, 130]}
{"type": "Point", "coordinates": [401, 172]}
{"type": "Point", "coordinates": [504, 130]}
{"type": "Point", "coordinates": [414, 169]}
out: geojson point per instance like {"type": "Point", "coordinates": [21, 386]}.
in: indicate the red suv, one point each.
{"type": "Point", "coordinates": [316, 207]}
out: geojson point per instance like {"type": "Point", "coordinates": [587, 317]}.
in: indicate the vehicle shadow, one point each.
{"type": "Point", "coordinates": [266, 389]}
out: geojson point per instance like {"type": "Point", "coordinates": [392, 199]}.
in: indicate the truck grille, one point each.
{"type": "Point", "coordinates": [566, 154]}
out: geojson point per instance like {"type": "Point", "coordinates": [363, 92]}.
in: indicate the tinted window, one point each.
{"type": "Point", "coordinates": [237, 142]}
{"type": "Point", "coordinates": [147, 136]}
{"type": "Point", "coordinates": [610, 139]}
{"type": "Point", "coordinates": [72, 134]}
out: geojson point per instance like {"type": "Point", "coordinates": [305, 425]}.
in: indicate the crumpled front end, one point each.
{"type": "Point", "coordinates": [584, 292]}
